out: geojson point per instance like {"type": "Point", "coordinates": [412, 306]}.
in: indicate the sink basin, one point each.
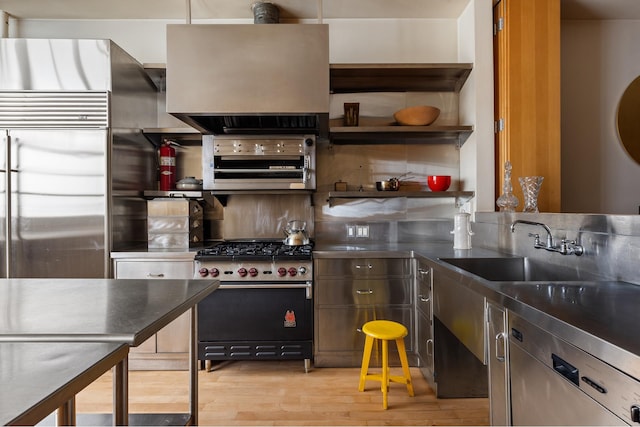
{"type": "Point", "coordinates": [518, 269]}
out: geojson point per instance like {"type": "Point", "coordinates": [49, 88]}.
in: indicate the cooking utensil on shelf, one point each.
{"type": "Point", "coordinates": [392, 184]}
{"type": "Point", "coordinates": [189, 183]}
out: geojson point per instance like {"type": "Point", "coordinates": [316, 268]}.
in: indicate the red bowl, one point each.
{"type": "Point", "coordinates": [439, 182]}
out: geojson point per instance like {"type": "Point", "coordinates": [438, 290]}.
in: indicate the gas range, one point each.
{"type": "Point", "coordinates": [255, 261]}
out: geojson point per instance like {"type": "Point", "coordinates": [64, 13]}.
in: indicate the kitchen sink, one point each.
{"type": "Point", "coordinates": [518, 269]}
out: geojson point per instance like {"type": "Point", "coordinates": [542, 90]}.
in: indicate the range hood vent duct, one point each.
{"type": "Point", "coordinates": [265, 13]}
{"type": "Point", "coordinates": [246, 78]}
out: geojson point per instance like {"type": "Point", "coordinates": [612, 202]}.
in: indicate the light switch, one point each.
{"type": "Point", "coordinates": [351, 231]}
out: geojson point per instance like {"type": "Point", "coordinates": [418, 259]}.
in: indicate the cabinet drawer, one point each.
{"type": "Point", "coordinates": [372, 291]}
{"type": "Point", "coordinates": [340, 330]}
{"type": "Point", "coordinates": [154, 269]}
{"type": "Point", "coordinates": [363, 267]}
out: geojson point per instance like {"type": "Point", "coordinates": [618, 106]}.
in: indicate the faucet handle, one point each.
{"type": "Point", "coordinates": [571, 247]}
{"type": "Point", "coordinates": [537, 238]}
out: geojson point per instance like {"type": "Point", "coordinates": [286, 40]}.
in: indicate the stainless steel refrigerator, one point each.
{"type": "Point", "coordinates": [73, 159]}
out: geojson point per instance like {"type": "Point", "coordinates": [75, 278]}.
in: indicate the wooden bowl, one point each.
{"type": "Point", "coordinates": [420, 115]}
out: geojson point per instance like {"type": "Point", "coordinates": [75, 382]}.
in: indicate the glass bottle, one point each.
{"type": "Point", "coordinates": [507, 202]}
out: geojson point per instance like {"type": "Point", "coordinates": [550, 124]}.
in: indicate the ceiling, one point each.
{"type": "Point", "coordinates": [289, 9]}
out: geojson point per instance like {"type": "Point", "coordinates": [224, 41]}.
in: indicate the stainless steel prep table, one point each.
{"type": "Point", "coordinates": [36, 378]}
{"type": "Point", "coordinates": [103, 310]}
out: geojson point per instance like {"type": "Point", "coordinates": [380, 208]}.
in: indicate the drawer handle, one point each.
{"type": "Point", "coordinates": [565, 369]}
{"type": "Point", "coordinates": [155, 276]}
{"type": "Point", "coordinates": [364, 291]}
{"type": "Point", "coordinates": [423, 299]}
{"type": "Point", "coordinates": [369, 266]}
{"type": "Point", "coordinates": [500, 347]}
{"type": "Point", "coordinates": [424, 272]}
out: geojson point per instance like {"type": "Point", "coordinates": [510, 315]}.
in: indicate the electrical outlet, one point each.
{"type": "Point", "coordinates": [362, 230]}
{"type": "Point", "coordinates": [351, 231]}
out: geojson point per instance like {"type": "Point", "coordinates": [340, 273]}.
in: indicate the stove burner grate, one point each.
{"type": "Point", "coordinates": [256, 250]}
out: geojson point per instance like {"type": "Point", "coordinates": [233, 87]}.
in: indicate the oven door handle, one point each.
{"type": "Point", "coordinates": [271, 170]}
{"type": "Point", "coordinates": [307, 286]}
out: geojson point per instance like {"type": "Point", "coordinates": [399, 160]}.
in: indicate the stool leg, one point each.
{"type": "Point", "coordinates": [405, 364]}
{"type": "Point", "coordinates": [385, 373]}
{"type": "Point", "coordinates": [366, 357]}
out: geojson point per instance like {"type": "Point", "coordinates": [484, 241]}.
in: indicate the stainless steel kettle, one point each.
{"type": "Point", "coordinates": [295, 233]}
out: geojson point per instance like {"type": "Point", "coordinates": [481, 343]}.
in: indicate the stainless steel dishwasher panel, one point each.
{"type": "Point", "coordinates": [539, 396]}
{"type": "Point", "coordinates": [556, 383]}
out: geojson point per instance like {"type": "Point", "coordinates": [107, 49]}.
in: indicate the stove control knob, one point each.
{"type": "Point", "coordinates": [635, 413]}
{"type": "Point", "coordinates": [214, 272]}
{"type": "Point", "coordinates": [293, 271]}
{"type": "Point", "coordinates": [253, 272]}
{"type": "Point", "coordinates": [302, 270]}
{"type": "Point", "coordinates": [203, 272]}
{"type": "Point", "coordinates": [242, 272]}
{"type": "Point", "coordinates": [282, 272]}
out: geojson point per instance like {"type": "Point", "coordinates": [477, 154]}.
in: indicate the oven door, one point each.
{"type": "Point", "coordinates": [246, 320]}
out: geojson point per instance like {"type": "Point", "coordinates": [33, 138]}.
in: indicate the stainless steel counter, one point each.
{"type": "Point", "coordinates": [37, 378]}
{"type": "Point", "coordinates": [396, 250]}
{"type": "Point", "coordinates": [170, 254]}
{"type": "Point", "coordinates": [126, 311]}
{"type": "Point", "coordinates": [600, 317]}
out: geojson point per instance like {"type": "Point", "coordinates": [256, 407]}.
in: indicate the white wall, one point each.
{"type": "Point", "coordinates": [477, 156]}
{"type": "Point", "coordinates": [351, 40]}
{"type": "Point", "coordinates": [467, 39]}
{"type": "Point", "coordinates": [599, 60]}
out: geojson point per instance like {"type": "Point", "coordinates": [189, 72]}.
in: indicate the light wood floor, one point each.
{"type": "Point", "coordinates": [268, 393]}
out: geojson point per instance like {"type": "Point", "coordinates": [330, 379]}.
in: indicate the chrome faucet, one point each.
{"type": "Point", "coordinates": [566, 247]}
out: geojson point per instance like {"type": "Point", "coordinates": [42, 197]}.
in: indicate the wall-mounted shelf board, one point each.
{"type": "Point", "coordinates": [223, 195]}
{"type": "Point", "coordinates": [407, 134]}
{"type": "Point", "coordinates": [461, 197]}
{"type": "Point", "coordinates": [181, 135]}
{"type": "Point", "coordinates": [350, 78]}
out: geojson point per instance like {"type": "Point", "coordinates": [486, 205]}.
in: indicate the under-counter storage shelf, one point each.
{"type": "Point", "coordinates": [461, 197]}
{"type": "Point", "coordinates": [359, 78]}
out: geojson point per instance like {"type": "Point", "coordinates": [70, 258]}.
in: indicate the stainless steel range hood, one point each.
{"type": "Point", "coordinates": [249, 78]}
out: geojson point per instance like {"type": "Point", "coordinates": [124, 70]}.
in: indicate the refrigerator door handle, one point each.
{"type": "Point", "coordinates": [7, 203]}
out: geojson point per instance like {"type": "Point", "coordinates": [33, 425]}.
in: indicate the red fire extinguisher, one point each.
{"type": "Point", "coordinates": [167, 167]}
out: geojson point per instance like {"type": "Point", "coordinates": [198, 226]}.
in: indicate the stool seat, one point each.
{"type": "Point", "coordinates": [385, 331]}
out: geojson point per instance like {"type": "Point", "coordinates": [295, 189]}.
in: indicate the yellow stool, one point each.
{"type": "Point", "coordinates": [385, 330]}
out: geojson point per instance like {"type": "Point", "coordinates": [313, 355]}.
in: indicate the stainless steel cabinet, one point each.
{"type": "Point", "coordinates": [424, 320]}
{"type": "Point", "coordinates": [169, 348]}
{"type": "Point", "coordinates": [459, 325]}
{"type": "Point", "coordinates": [462, 311]}
{"type": "Point", "coordinates": [498, 361]}
{"type": "Point", "coordinates": [350, 292]}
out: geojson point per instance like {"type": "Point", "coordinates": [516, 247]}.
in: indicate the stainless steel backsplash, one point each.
{"type": "Point", "coordinates": [611, 242]}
